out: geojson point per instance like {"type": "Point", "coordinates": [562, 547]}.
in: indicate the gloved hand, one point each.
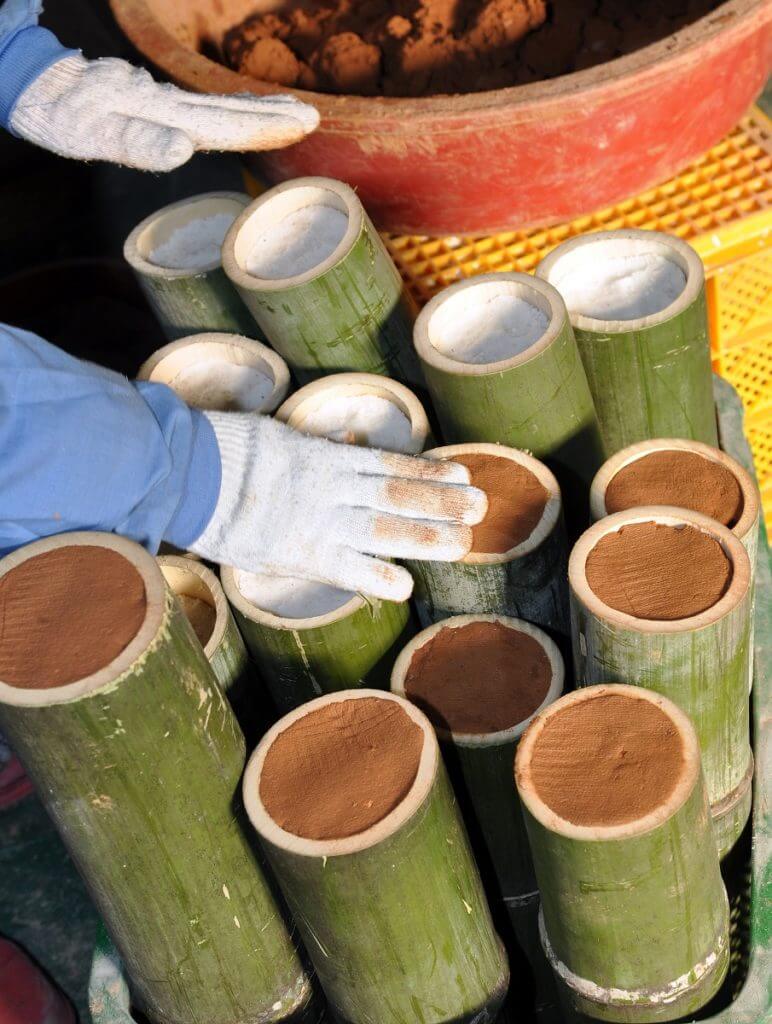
{"type": "Point", "coordinates": [303, 506]}
{"type": "Point", "coordinates": [108, 110]}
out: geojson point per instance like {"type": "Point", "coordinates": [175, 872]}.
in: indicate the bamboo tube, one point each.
{"type": "Point", "coordinates": [303, 408]}
{"type": "Point", "coordinates": [137, 764]}
{"type": "Point", "coordinates": [188, 300]}
{"type": "Point", "coordinates": [348, 309]}
{"type": "Point", "coordinates": [650, 375]}
{"type": "Point", "coordinates": [702, 663]}
{"type": "Point", "coordinates": [354, 644]}
{"type": "Point", "coordinates": [394, 917]}
{"type": "Point", "coordinates": [635, 918]}
{"type": "Point", "coordinates": [538, 399]}
{"type": "Point", "coordinates": [221, 372]}
{"type": "Point", "coordinates": [528, 581]}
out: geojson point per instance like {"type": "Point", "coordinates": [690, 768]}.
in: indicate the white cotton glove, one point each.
{"type": "Point", "coordinates": [293, 505]}
{"type": "Point", "coordinates": [109, 110]}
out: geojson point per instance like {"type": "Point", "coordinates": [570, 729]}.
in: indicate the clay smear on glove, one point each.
{"type": "Point", "coordinates": [677, 478]}
{"type": "Point", "coordinates": [607, 760]}
{"type": "Point", "coordinates": [201, 615]}
{"type": "Point", "coordinates": [340, 770]}
{"type": "Point", "coordinates": [516, 501]}
{"type": "Point", "coordinates": [659, 572]}
{"type": "Point", "coordinates": [480, 678]}
{"type": "Point", "coordinates": [66, 614]}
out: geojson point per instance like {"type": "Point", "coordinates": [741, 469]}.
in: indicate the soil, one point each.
{"type": "Point", "coordinates": [677, 478]}
{"type": "Point", "coordinates": [516, 500]}
{"type": "Point", "coordinates": [339, 770]}
{"type": "Point", "coordinates": [201, 615]}
{"type": "Point", "coordinates": [66, 614]}
{"type": "Point", "coordinates": [430, 47]}
{"type": "Point", "coordinates": [659, 572]}
{"type": "Point", "coordinates": [607, 760]}
{"type": "Point", "coordinates": [480, 678]}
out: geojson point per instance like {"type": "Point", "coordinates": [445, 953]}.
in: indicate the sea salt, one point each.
{"type": "Point", "coordinates": [290, 597]}
{"type": "Point", "coordinates": [195, 245]}
{"type": "Point", "coordinates": [475, 328]}
{"type": "Point", "coordinates": [365, 420]}
{"type": "Point", "coordinates": [624, 287]}
{"type": "Point", "coordinates": [297, 243]}
{"type": "Point", "coordinates": [226, 387]}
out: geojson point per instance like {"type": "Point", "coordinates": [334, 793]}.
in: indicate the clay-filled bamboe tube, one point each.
{"type": "Point", "coordinates": [319, 281]}
{"type": "Point", "coordinates": [359, 408]}
{"type": "Point", "coordinates": [502, 365]}
{"type": "Point", "coordinates": [661, 598]}
{"type": "Point", "coordinates": [518, 562]}
{"type": "Point", "coordinates": [635, 918]}
{"type": "Point", "coordinates": [480, 679]}
{"type": "Point", "coordinates": [637, 304]}
{"type": "Point", "coordinates": [175, 254]}
{"type": "Point", "coordinates": [109, 700]}
{"type": "Point", "coordinates": [355, 813]}
{"type": "Point", "coordinates": [220, 372]}
{"type": "Point", "coordinates": [309, 638]}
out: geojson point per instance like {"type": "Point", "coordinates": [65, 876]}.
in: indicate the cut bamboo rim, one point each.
{"type": "Point", "coordinates": [166, 363]}
{"type": "Point", "coordinates": [229, 580]}
{"type": "Point", "coordinates": [538, 293]}
{"type": "Point", "coordinates": [186, 578]}
{"type": "Point", "coordinates": [502, 736]}
{"type": "Point", "coordinates": [562, 260]}
{"type": "Point", "coordinates": [689, 778]}
{"type": "Point", "coordinates": [310, 397]}
{"type": "Point", "coordinates": [669, 516]}
{"type": "Point", "coordinates": [377, 833]}
{"type": "Point", "coordinates": [156, 613]}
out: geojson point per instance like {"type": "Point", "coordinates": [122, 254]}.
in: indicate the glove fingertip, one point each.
{"type": "Point", "coordinates": [476, 508]}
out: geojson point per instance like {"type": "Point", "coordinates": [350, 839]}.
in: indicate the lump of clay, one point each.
{"type": "Point", "coordinates": [350, 65]}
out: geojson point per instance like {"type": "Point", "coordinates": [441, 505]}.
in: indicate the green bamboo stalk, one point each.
{"type": "Point", "coordinates": [635, 918]}
{"type": "Point", "coordinates": [650, 376]}
{"type": "Point", "coordinates": [350, 312]}
{"type": "Point", "coordinates": [529, 581]}
{"type": "Point", "coordinates": [538, 400]}
{"type": "Point", "coordinates": [702, 663]}
{"type": "Point", "coordinates": [137, 765]}
{"type": "Point", "coordinates": [394, 918]}
{"type": "Point", "coordinates": [188, 301]}
{"type": "Point", "coordinates": [165, 365]}
{"type": "Point", "coordinates": [299, 659]}
{"type": "Point", "coordinates": [346, 385]}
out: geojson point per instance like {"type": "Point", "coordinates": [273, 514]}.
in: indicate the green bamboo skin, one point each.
{"type": "Point", "coordinates": [299, 659]}
{"type": "Point", "coordinates": [187, 301]}
{"type": "Point", "coordinates": [351, 312]}
{"type": "Point", "coordinates": [703, 663]}
{"type": "Point", "coordinates": [649, 377]}
{"type": "Point", "coordinates": [394, 919]}
{"type": "Point", "coordinates": [635, 918]}
{"type": "Point", "coordinates": [538, 401]}
{"type": "Point", "coordinates": [528, 582]}
{"type": "Point", "coordinates": [145, 804]}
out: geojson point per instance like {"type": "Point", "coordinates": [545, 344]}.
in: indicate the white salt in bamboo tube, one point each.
{"type": "Point", "coordinates": [220, 372]}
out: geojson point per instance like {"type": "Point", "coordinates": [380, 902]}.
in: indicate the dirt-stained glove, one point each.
{"type": "Point", "coordinates": [303, 506]}
{"type": "Point", "coordinates": [109, 110]}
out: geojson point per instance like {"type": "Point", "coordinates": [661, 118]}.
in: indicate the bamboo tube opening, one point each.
{"type": "Point", "coordinates": [363, 760]}
{"type": "Point", "coordinates": [286, 602]}
{"type": "Point", "coordinates": [679, 473]}
{"type": "Point", "coordinates": [621, 281]}
{"type": "Point", "coordinates": [489, 323]}
{"type": "Point", "coordinates": [526, 507]}
{"type": "Point", "coordinates": [733, 592]}
{"type": "Point", "coordinates": [607, 762]}
{"type": "Point", "coordinates": [359, 408]}
{"type": "Point", "coordinates": [185, 237]}
{"type": "Point", "coordinates": [292, 234]}
{"type": "Point", "coordinates": [78, 610]}
{"type": "Point", "coordinates": [218, 371]}
{"type": "Point", "coordinates": [480, 679]}
{"type": "Point", "coordinates": [201, 597]}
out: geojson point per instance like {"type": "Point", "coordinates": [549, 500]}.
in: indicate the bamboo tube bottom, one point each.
{"type": "Point", "coordinates": [680, 997]}
{"type": "Point", "coordinates": [730, 815]}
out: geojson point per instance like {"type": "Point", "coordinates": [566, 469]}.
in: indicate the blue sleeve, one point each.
{"type": "Point", "coordinates": [85, 449]}
{"type": "Point", "coordinates": [26, 50]}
